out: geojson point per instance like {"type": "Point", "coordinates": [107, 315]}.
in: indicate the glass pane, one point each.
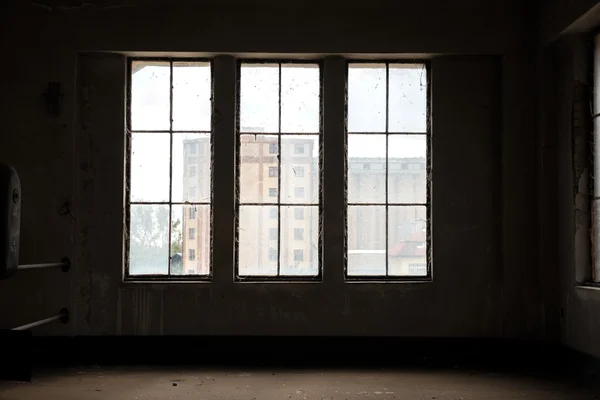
{"type": "Point", "coordinates": [190, 240]}
{"type": "Point", "coordinates": [150, 96]}
{"type": "Point", "coordinates": [300, 99]}
{"type": "Point", "coordinates": [191, 167]}
{"type": "Point", "coordinates": [299, 242]}
{"type": "Point", "coordinates": [257, 251]}
{"type": "Point", "coordinates": [150, 160]}
{"type": "Point", "coordinates": [366, 169]}
{"type": "Point", "coordinates": [407, 98]}
{"type": "Point", "coordinates": [149, 239]}
{"type": "Point", "coordinates": [407, 238]}
{"type": "Point", "coordinates": [366, 98]}
{"type": "Point", "coordinates": [259, 98]}
{"type": "Point", "coordinates": [258, 169]}
{"type": "Point", "coordinates": [300, 169]}
{"type": "Point", "coordinates": [366, 240]}
{"type": "Point", "coordinates": [192, 107]}
{"type": "Point", "coordinates": [407, 173]}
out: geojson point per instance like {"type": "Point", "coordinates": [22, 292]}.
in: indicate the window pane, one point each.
{"type": "Point", "coordinates": [148, 239]}
{"type": "Point", "coordinates": [191, 167]}
{"type": "Point", "coordinates": [192, 94]}
{"type": "Point", "coordinates": [407, 98]}
{"type": "Point", "coordinates": [300, 98]}
{"type": "Point", "coordinates": [407, 173]}
{"type": "Point", "coordinates": [150, 96]}
{"type": "Point", "coordinates": [190, 236]}
{"type": "Point", "coordinates": [300, 169]}
{"type": "Point", "coordinates": [366, 168]}
{"type": "Point", "coordinates": [259, 98]}
{"type": "Point", "coordinates": [257, 253]}
{"type": "Point", "coordinates": [366, 98]}
{"type": "Point", "coordinates": [299, 257]}
{"type": "Point", "coordinates": [366, 240]}
{"type": "Point", "coordinates": [407, 236]}
{"type": "Point", "coordinates": [150, 167]}
{"type": "Point", "coordinates": [256, 186]}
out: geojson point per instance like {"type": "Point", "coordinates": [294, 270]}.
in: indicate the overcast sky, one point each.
{"type": "Point", "coordinates": [259, 109]}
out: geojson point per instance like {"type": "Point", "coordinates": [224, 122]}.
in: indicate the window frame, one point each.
{"type": "Point", "coordinates": [169, 277]}
{"type": "Point", "coordinates": [428, 134]}
{"type": "Point", "coordinates": [320, 61]}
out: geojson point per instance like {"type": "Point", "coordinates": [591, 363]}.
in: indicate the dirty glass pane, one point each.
{"type": "Point", "coordinates": [299, 241]}
{"type": "Point", "coordinates": [407, 98]}
{"type": "Point", "coordinates": [150, 96]}
{"type": "Point", "coordinates": [366, 241]}
{"type": "Point", "coordinates": [259, 98]}
{"type": "Point", "coordinates": [191, 167]}
{"type": "Point", "coordinates": [257, 251]}
{"type": "Point", "coordinates": [366, 97]}
{"type": "Point", "coordinates": [190, 236]}
{"type": "Point", "coordinates": [300, 98]}
{"type": "Point", "coordinates": [258, 169]}
{"type": "Point", "coordinates": [407, 173]}
{"type": "Point", "coordinates": [407, 238]}
{"type": "Point", "coordinates": [192, 94]}
{"type": "Point", "coordinates": [149, 239]}
{"type": "Point", "coordinates": [300, 169]}
{"type": "Point", "coordinates": [150, 158]}
{"type": "Point", "coordinates": [366, 168]}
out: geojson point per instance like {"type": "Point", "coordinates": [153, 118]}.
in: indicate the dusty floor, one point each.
{"type": "Point", "coordinates": [202, 383]}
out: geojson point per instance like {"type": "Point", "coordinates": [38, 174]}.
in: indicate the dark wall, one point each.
{"type": "Point", "coordinates": [485, 231]}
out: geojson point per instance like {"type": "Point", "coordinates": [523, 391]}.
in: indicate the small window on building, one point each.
{"type": "Point", "coordinates": [272, 172]}
{"type": "Point", "coordinates": [193, 171]}
{"type": "Point", "coordinates": [299, 213]}
{"type": "Point", "coordinates": [191, 272]}
{"type": "Point", "coordinates": [298, 234]}
{"type": "Point", "coordinates": [272, 254]}
{"type": "Point", "coordinates": [192, 213]}
{"type": "Point", "coordinates": [192, 233]}
{"type": "Point", "coordinates": [298, 255]}
{"type": "Point", "coordinates": [273, 214]}
{"type": "Point", "coordinates": [192, 254]}
{"type": "Point", "coordinates": [192, 193]}
{"type": "Point", "coordinates": [299, 172]}
{"type": "Point", "coordinates": [272, 192]}
{"type": "Point", "coordinates": [192, 148]}
{"type": "Point", "coordinates": [299, 149]}
{"type": "Point", "coordinates": [273, 148]}
{"type": "Point", "coordinates": [299, 192]}
{"type": "Point", "coordinates": [272, 233]}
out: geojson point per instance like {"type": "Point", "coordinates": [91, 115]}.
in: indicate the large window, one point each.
{"type": "Point", "coordinates": [279, 130]}
{"type": "Point", "coordinates": [169, 169]}
{"type": "Point", "coordinates": [387, 171]}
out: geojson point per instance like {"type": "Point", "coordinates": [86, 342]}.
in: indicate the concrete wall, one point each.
{"type": "Point", "coordinates": [485, 230]}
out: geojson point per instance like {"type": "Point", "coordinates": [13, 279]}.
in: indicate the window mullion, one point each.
{"type": "Point", "coordinates": [223, 160]}
{"type": "Point", "coordinates": [333, 223]}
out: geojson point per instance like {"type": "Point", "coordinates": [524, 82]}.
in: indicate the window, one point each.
{"type": "Point", "coordinates": [299, 213]}
{"type": "Point", "coordinates": [299, 192]}
{"type": "Point", "coordinates": [273, 234]}
{"type": "Point", "coordinates": [273, 172]}
{"type": "Point", "coordinates": [387, 108]}
{"type": "Point", "coordinates": [298, 172]}
{"type": "Point", "coordinates": [298, 255]}
{"type": "Point", "coordinates": [192, 233]}
{"type": "Point", "coordinates": [169, 116]}
{"type": "Point", "coordinates": [298, 234]}
{"type": "Point", "coordinates": [191, 272]}
{"type": "Point", "coordinates": [273, 213]}
{"type": "Point", "coordinates": [283, 99]}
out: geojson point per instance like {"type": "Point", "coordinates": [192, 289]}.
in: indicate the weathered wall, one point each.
{"type": "Point", "coordinates": [484, 181]}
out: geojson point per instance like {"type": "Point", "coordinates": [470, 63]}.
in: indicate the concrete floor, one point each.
{"type": "Point", "coordinates": [207, 384]}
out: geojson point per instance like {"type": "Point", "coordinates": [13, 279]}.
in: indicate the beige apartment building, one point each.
{"type": "Point", "coordinates": [289, 231]}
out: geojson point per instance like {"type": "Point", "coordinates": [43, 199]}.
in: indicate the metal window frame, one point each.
{"type": "Point", "coordinates": [279, 278]}
{"type": "Point", "coordinates": [127, 276]}
{"type": "Point", "coordinates": [428, 134]}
